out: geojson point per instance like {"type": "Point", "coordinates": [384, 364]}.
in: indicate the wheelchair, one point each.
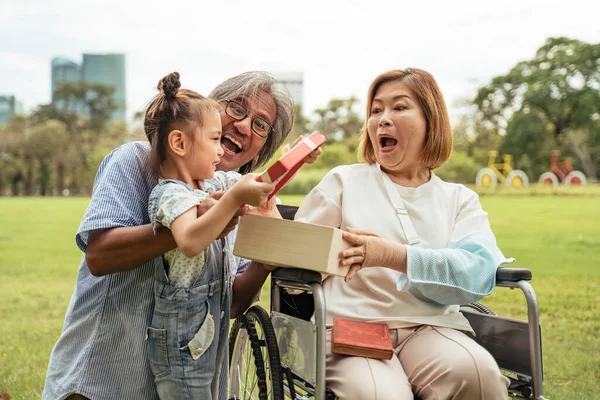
{"type": "Point", "coordinates": [281, 355]}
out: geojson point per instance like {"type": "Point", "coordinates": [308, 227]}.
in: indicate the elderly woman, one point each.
{"type": "Point", "coordinates": [420, 247]}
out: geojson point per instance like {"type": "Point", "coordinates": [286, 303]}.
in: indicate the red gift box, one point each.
{"type": "Point", "coordinates": [287, 165]}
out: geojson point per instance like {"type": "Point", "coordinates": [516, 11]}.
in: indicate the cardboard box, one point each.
{"type": "Point", "coordinates": [294, 244]}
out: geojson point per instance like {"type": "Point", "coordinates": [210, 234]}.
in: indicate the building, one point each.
{"type": "Point", "coordinates": [64, 70]}
{"type": "Point", "coordinates": [107, 69]}
{"type": "Point", "coordinates": [294, 81]}
{"type": "Point", "coordinates": [8, 106]}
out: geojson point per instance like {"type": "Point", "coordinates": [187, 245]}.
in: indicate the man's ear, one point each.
{"type": "Point", "coordinates": [176, 142]}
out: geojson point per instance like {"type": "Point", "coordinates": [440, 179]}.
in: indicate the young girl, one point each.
{"type": "Point", "coordinates": [188, 335]}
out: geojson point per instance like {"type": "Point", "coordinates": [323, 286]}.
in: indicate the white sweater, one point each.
{"type": "Point", "coordinates": [444, 215]}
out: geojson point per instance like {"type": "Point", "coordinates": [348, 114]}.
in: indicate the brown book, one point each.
{"type": "Point", "coordinates": [362, 339]}
{"type": "Point", "coordinates": [284, 243]}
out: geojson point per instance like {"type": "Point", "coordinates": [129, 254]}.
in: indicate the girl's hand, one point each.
{"type": "Point", "coordinates": [249, 191]}
{"type": "Point", "coordinates": [356, 254]}
{"type": "Point", "coordinates": [268, 209]}
{"type": "Point", "coordinates": [209, 202]}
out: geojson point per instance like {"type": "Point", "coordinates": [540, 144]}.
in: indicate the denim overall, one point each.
{"type": "Point", "coordinates": [188, 336]}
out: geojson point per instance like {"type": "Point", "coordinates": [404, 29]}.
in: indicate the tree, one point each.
{"type": "Point", "coordinates": [475, 138]}
{"type": "Point", "coordinates": [13, 158]}
{"type": "Point", "coordinates": [339, 120]}
{"type": "Point", "coordinates": [49, 143]}
{"type": "Point", "coordinates": [556, 93]}
{"type": "Point", "coordinates": [302, 125]}
{"type": "Point", "coordinates": [85, 111]}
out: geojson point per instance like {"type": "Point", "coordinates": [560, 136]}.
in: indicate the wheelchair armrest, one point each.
{"type": "Point", "coordinates": [512, 274]}
{"type": "Point", "coordinates": [296, 275]}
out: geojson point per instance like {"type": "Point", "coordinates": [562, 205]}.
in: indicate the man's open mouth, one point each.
{"type": "Point", "coordinates": [231, 145]}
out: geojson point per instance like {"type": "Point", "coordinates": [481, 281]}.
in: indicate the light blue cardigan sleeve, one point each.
{"type": "Point", "coordinates": [461, 274]}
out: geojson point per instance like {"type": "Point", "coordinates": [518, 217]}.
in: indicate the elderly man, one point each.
{"type": "Point", "coordinates": [101, 353]}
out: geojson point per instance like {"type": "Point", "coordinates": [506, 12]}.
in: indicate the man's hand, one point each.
{"type": "Point", "coordinates": [309, 159]}
{"type": "Point", "coordinates": [209, 202]}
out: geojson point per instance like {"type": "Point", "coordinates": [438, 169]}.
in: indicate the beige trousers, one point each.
{"type": "Point", "coordinates": [429, 363]}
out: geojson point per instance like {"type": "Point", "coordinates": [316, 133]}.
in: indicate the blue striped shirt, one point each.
{"type": "Point", "coordinates": [101, 353]}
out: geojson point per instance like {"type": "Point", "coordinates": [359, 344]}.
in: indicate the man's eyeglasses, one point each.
{"type": "Point", "coordinates": [238, 112]}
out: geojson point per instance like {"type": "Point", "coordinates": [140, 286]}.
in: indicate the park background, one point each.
{"type": "Point", "coordinates": [519, 80]}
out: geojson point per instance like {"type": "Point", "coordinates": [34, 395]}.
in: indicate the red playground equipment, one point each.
{"type": "Point", "coordinates": [563, 171]}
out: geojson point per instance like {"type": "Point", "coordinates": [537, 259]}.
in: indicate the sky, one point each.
{"type": "Point", "coordinates": [339, 45]}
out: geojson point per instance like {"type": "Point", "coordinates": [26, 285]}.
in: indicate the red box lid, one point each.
{"type": "Point", "coordinates": [286, 166]}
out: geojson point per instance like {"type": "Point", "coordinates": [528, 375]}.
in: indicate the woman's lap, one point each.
{"type": "Point", "coordinates": [431, 362]}
{"type": "Point", "coordinates": [363, 378]}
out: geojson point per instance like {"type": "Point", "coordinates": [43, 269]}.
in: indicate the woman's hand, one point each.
{"type": "Point", "coordinates": [355, 255]}
{"type": "Point", "coordinates": [370, 250]}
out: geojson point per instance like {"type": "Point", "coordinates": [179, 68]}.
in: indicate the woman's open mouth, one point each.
{"type": "Point", "coordinates": [387, 143]}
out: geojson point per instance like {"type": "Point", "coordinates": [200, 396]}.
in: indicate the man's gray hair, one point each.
{"type": "Point", "coordinates": [247, 86]}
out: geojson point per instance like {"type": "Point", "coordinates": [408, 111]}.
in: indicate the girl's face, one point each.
{"type": "Point", "coordinates": [397, 127]}
{"type": "Point", "coordinates": [207, 150]}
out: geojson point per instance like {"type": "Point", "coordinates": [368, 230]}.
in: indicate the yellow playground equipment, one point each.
{"type": "Point", "coordinates": [489, 177]}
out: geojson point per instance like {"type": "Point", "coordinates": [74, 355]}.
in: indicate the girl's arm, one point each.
{"type": "Point", "coordinates": [126, 248]}
{"type": "Point", "coordinates": [194, 234]}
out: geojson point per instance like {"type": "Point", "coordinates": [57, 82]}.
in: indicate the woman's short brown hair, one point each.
{"type": "Point", "coordinates": [438, 138]}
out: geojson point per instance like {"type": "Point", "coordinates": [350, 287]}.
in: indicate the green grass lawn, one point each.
{"type": "Point", "coordinates": [557, 237]}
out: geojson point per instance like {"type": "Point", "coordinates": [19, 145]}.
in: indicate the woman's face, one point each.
{"type": "Point", "coordinates": [397, 127]}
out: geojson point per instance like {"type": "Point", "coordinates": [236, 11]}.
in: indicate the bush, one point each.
{"type": "Point", "coordinates": [335, 154]}
{"type": "Point", "coordinates": [306, 179]}
{"type": "Point", "coordinates": [460, 168]}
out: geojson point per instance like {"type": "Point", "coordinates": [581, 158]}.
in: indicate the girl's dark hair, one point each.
{"type": "Point", "coordinates": [173, 108]}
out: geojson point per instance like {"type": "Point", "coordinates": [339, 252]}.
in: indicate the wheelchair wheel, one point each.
{"type": "Point", "coordinates": [478, 307]}
{"type": "Point", "coordinates": [254, 365]}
